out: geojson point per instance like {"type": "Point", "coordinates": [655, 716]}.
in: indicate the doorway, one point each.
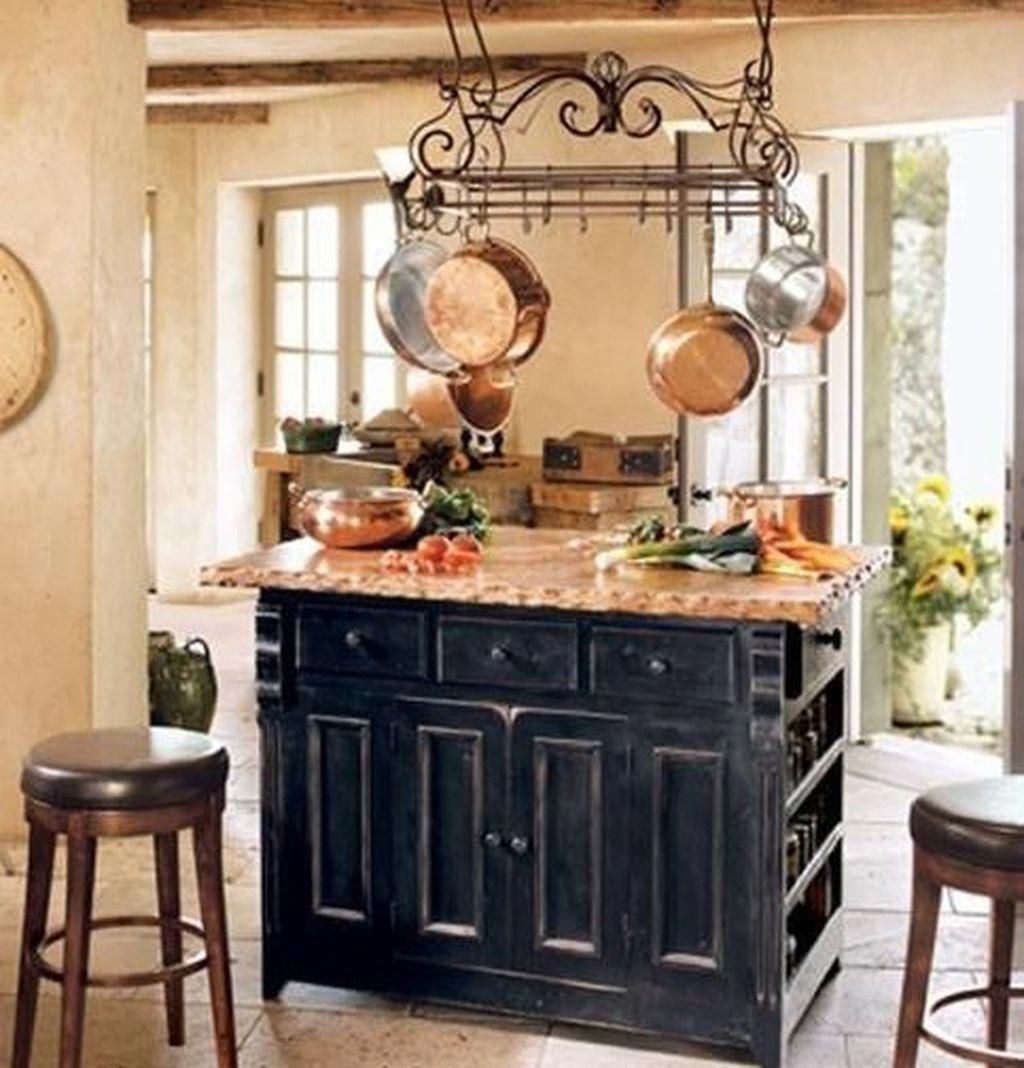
{"type": "Point", "coordinates": [937, 343]}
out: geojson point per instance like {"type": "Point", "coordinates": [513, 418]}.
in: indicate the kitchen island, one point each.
{"type": "Point", "coordinates": [608, 798]}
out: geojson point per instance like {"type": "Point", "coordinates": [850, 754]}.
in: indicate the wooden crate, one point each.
{"type": "Point", "coordinates": [585, 457]}
{"type": "Point", "coordinates": [597, 506]}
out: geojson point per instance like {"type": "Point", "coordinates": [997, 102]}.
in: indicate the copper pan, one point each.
{"type": "Point", "coordinates": [430, 400]}
{"type": "Point", "coordinates": [484, 399]}
{"type": "Point", "coordinates": [706, 359]}
{"type": "Point", "coordinates": [486, 303]}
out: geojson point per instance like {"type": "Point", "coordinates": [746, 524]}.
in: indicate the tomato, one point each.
{"type": "Point", "coordinates": [433, 547]}
{"type": "Point", "coordinates": [458, 560]}
{"type": "Point", "coordinates": [466, 543]}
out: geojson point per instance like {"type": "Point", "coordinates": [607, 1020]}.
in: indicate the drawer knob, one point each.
{"type": "Point", "coordinates": [832, 638]}
{"type": "Point", "coordinates": [492, 839]}
{"type": "Point", "coordinates": [657, 666]}
{"type": "Point", "coordinates": [500, 655]}
{"type": "Point", "coordinates": [519, 845]}
{"type": "Point", "coordinates": [354, 640]}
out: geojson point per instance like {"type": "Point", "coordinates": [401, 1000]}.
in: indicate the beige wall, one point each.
{"type": "Point", "coordinates": [72, 608]}
{"type": "Point", "coordinates": [612, 286]}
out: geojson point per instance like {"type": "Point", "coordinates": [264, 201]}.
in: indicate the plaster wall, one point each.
{"type": "Point", "coordinates": [612, 285]}
{"type": "Point", "coordinates": [72, 607]}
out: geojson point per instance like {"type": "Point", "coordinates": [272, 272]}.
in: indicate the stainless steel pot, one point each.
{"type": "Point", "coordinates": [804, 508]}
{"type": "Point", "coordinates": [795, 293]}
{"type": "Point", "coordinates": [399, 296]}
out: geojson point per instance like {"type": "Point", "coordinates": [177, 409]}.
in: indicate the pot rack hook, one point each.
{"type": "Point", "coordinates": [708, 237]}
{"type": "Point", "coordinates": [584, 221]}
{"type": "Point", "coordinates": [669, 222]}
{"type": "Point", "coordinates": [545, 211]}
{"type": "Point", "coordinates": [641, 213]}
{"type": "Point", "coordinates": [527, 221]}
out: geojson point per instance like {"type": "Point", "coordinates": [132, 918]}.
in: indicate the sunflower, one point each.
{"type": "Point", "coordinates": [935, 486]}
{"type": "Point", "coordinates": [961, 559]}
{"type": "Point", "coordinates": [983, 515]}
{"type": "Point", "coordinates": [899, 520]}
{"type": "Point", "coordinates": [930, 582]}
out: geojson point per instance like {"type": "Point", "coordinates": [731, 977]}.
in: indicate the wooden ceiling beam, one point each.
{"type": "Point", "coordinates": [283, 14]}
{"type": "Point", "coordinates": [206, 114]}
{"type": "Point", "coordinates": [191, 77]}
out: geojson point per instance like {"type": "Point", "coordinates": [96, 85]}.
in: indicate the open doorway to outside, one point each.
{"type": "Point", "coordinates": [937, 240]}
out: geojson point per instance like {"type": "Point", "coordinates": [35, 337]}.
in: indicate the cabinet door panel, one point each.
{"type": "Point", "coordinates": [449, 788]}
{"type": "Point", "coordinates": [688, 856]}
{"type": "Point", "coordinates": [339, 816]}
{"type": "Point", "coordinates": [568, 838]}
{"type": "Point", "coordinates": [693, 847]}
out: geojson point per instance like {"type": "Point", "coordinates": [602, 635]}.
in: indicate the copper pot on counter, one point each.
{"type": "Point", "coordinates": [806, 508]}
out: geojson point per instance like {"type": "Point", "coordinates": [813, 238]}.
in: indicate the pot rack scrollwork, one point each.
{"type": "Point", "coordinates": [461, 173]}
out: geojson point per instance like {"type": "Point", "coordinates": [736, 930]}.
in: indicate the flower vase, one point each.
{"type": "Point", "coordinates": [919, 686]}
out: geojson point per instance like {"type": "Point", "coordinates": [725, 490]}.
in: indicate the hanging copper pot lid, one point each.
{"type": "Point", "coordinates": [705, 360]}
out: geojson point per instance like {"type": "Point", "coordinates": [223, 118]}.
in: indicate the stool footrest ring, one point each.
{"type": "Point", "coordinates": [970, 1051]}
{"type": "Point", "coordinates": [193, 962]}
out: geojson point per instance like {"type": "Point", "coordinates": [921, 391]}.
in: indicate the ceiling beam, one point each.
{"type": "Point", "coordinates": [189, 77]}
{"type": "Point", "coordinates": [280, 14]}
{"type": "Point", "coordinates": [204, 114]}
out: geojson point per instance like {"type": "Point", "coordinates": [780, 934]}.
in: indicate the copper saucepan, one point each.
{"type": "Point", "coordinates": [806, 508]}
{"type": "Point", "coordinates": [486, 303]}
{"type": "Point", "coordinates": [484, 399]}
{"type": "Point", "coordinates": [794, 293]}
{"type": "Point", "coordinates": [706, 359]}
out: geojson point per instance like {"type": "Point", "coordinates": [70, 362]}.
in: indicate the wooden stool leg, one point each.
{"type": "Point", "coordinates": [1000, 963]}
{"type": "Point", "coordinates": [924, 918]}
{"type": "Point", "coordinates": [168, 892]}
{"type": "Point", "coordinates": [207, 840]}
{"type": "Point", "coordinates": [41, 845]}
{"type": "Point", "coordinates": [81, 872]}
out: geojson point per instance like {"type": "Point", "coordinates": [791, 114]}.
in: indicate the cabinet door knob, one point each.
{"type": "Point", "coordinates": [519, 845]}
{"type": "Point", "coordinates": [833, 638]}
{"type": "Point", "coordinates": [657, 666]}
{"type": "Point", "coordinates": [500, 655]}
{"type": "Point", "coordinates": [353, 640]}
{"type": "Point", "coordinates": [492, 839]}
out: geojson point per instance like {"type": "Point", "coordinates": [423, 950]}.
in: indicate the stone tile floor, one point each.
{"type": "Point", "coordinates": [849, 1026]}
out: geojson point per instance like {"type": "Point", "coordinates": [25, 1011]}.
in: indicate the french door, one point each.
{"type": "Point", "coordinates": [1013, 705]}
{"type": "Point", "coordinates": [323, 352]}
{"type": "Point", "coordinates": [797, 424]}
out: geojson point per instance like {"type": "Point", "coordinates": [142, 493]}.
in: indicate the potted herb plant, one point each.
{"type": "Point", "coordinates": [945, 567]}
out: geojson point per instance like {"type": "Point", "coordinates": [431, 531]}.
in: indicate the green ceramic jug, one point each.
{"type": "Point", "coordinates": [182, 683]}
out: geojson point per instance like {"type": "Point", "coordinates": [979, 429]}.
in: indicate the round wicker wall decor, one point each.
{"type": "Point", "coordinates": [24, 339]}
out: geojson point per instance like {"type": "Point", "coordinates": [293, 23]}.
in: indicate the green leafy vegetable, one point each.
{"type": "Point", "coordinates": [454, 510]}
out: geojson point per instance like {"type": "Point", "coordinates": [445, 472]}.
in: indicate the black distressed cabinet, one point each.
{"type": "Point", "coordinates": [582, 817]}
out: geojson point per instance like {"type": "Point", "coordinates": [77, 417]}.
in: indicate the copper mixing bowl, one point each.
{"type": "Point", "coordinates": [364, 518]}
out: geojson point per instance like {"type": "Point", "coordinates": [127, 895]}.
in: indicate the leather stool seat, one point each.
{"type": "Point", "coordinates": [124, 768]}
{"type": "Point", "coordinates": [977, 823]}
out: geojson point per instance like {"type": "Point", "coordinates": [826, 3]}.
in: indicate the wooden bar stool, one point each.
{"type": "Point", "coordinates": [116, 783]}
{"type": "Point", "coordinates": [969, 836]}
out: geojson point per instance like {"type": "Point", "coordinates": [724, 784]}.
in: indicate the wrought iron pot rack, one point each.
{"type": "Point", "coordinates": [461, 177]}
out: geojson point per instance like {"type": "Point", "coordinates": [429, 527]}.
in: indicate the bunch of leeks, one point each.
{"type": "Point", "coordinates": [734, 551]}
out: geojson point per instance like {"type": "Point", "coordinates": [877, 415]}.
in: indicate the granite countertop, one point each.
{"type": "Point", "coordinates": [551, 569]}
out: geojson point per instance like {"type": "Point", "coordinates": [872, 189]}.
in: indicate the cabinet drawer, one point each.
{"type": "Point", "coordinates": [812, 653]}
{"type": "Point", "coordinates": [538, 656]}
{"type": "Point", "coordinates": [667, 664]}
{"type": "Point", "coordinates": [362, 642]}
